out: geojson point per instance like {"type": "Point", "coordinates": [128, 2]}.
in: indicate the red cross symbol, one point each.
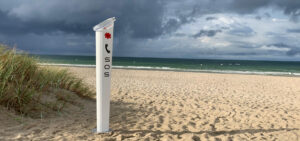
{"type": "Point", "coordinates": [107, 35]}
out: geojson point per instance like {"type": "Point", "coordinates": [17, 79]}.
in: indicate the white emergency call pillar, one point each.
{"type": "Point", "coordinates": [104, 49]}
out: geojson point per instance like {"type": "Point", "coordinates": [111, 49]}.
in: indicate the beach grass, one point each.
{"type": "Point", "coordinates": [23, 82]}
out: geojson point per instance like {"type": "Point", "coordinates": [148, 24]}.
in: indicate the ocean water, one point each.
{"type": "Point", "coordinates": [197, 65]}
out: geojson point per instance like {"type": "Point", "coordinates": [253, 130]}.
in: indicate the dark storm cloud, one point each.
{"type": "Point", "coordinates": [173, 24]}
{"type": "Point", "coordinates": [267, 15]}
{"type": "Point", "coordinates": [180, 35]}
{"type": "Point", "coordinates": [139, 18]}
{"type": "Point", "coordinates": [293, 30]}
{"type": "Point", "coordinates": [290, 7]}
{"type": "Point", "coordinates": [248, 6]}
{"type": "Point", "coordinates": [201, 8]}
{"type": "Point", "coordinates": [242, 30]}
{"type": "Point", "coordinates": [45, 26]}
{"type": "Point", "coordinates": [142, 19]}
{"type": "Point", "coordinates": [211, 18]}
{"type": "Point", "coordinates": [209, 33]}
{"type": "Point", "coordinates": [280, 45]}
{"type": "Point", "coordinates": [258, 17]}
{"type": "Point", "coordinates": [293, 52]}
{"type": "Point", "coordinates": [292, 49]}
{"type": "Point", "coordinates": [262, 16]}
{"type": "Point", "coordinates": [13, 26]}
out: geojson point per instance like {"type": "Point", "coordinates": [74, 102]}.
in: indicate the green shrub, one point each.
{"type": "Point", "coordinates": [22, 81]}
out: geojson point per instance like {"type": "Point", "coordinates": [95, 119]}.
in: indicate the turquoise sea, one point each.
{"type": "Point", "coordinates": [198, 65]}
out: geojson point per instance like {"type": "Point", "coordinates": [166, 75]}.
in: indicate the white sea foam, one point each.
{"type": "Point", "coordinates": [143, 67]}
{"type": "Point", "coordinates": [209, 71]}
{"type": "Point", "coordinates": [178, 69]}
{"type": "Point", "coordinates": [67, 65]}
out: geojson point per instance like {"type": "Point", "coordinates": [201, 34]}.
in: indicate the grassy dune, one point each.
{"type": "Point", "coordinates": [24, 85]}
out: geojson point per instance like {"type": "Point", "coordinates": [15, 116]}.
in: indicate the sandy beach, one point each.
{"type": "Point", "coordinates": [166, 105]}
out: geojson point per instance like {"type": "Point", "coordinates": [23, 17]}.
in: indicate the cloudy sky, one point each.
{"type": "Point", "coordinates": [211, 29]}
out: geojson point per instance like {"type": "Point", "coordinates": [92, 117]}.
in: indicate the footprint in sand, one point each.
{"type": "Point", "coordinates": [192, 124]}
